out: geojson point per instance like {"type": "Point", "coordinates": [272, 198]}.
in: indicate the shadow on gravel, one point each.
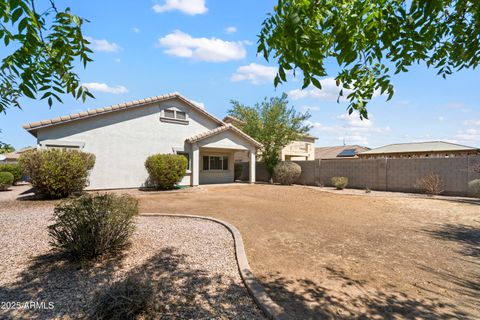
{"type": "Point", "coordinates": [164, 286]}
{"type": "Point", "coordinates": [466, 235]}
{"type": "Point", "coordinates": [306, 299]}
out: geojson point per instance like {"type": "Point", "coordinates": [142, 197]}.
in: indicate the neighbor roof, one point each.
{"type": "Point", "coordinates": [218, 130]}
{"type": "Point", "coordinates": [32, 127]}
{"type": "Point", "coordinates": [429, 146]}
{"type": "Point", "coordinates": [334, 151]}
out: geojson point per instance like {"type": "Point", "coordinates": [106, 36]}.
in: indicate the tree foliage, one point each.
{"type": "Point", "coordinates": [6, 148]}
{"type": "Point", "coordinates": [370, 40]}
{"type": "Point", "coordinates": [273, 124]}
{"type": "Point", "coordinates": [41, 47]}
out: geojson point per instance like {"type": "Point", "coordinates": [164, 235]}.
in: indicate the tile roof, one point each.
{"type": "Point", "coordinates": [223, 128]}
{"type": "Point", "coordinates": [332, 152]}
{"type": "Point", "coordinates": [31, 127]}
{"type": "Point", "coordinates": [429, 146]}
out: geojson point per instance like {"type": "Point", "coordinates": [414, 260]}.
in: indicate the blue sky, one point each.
{"type": "Point", "coordinates": [206, 51]}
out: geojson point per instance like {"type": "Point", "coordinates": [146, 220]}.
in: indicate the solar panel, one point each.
{"type": "Point", "coordinates": [347, 153]}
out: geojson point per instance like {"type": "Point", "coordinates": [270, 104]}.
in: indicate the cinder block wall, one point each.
{"type": "Point", "coordinates": [384, 174]}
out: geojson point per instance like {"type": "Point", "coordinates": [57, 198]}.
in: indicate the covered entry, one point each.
{"type": "Point", "coordinates": [213, 154]}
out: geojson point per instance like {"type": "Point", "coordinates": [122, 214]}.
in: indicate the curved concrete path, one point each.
{"type": "Point", "coordinates": [254, 288]}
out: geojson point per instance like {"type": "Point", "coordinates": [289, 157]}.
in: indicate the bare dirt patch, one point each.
{"type": "Point", "coordinates": [324, 255]}
{"type": "Point", "coordinates": [187, 265]}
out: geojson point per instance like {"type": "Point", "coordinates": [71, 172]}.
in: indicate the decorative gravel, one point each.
{"type": "Point", "coordinates": [189, 265]}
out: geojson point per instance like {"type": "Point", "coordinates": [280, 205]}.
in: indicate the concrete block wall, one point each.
{"type": "Point", "coordinates": [384, 174]}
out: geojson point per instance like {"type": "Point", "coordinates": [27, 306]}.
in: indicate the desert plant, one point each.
{"type": "Point", "coordinates": [14, 169]}
{"type": "Point", "coordinates": [431, 184]}
{"type": "Point", "coordinates": [91, 226]}
{"type": "Point", "coordinates": [474, 187]}
{"type": "Point", "coordinates": [6, 180]}
{"type": "Point", "coordinates": [131, 298]}
{"type": "Point", "coordinates": [57, 173]}
{"type": "Point", "coordinates": [287, 172]}
{"type": "Point", "coordinates": [340, 182]}
{"type": "Point", "coordinates": [238, 170]}
{"type": "Point", "coordinates": [165, 170]}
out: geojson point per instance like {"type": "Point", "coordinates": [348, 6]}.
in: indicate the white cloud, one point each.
{"type": "Point", "coordinates": [103, 87]}
{"type": "Point", "coordinates": [472, 122]}
{"type": "Point", "coordinates": [198, 104]}
{"type": "Point", "coordinates": [136, 30]}
{"type": "Point", "coordinates": [230, 30]}
{"type": "Point", "coordinates": [102, 45]}
{"type": "Point", "coordinates": [352, 129]}
{"type": "Point", "coordinates": [190, 7]}
{"type": "Point", "coordinates": [310, 108]}
{"type": "Point", "coordinates": [440, 118]}
{"type": "Point", "coordinates": [329, 91]}
{"type": "Point", "coordinates": [181, 44]}
{"type": "Point", "coordinates": [255, 73]}
{"type": "Point", "coordinates": [469, 136]}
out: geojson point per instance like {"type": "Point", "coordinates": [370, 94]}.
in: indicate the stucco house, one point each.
{"type": "Point", "coordinates": [298, 150]}
{"type": "Point", "coordinates": [122, 136]}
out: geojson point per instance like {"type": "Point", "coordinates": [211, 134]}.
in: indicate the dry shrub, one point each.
{"type": "Point", "coordinates": [287, 172]}
{"type": "Point", "coordinates": [474, 187]}
{"type": "Point", "coordinates": [340, 182]}
{"type": "Point", "coordinates": [431, 184]}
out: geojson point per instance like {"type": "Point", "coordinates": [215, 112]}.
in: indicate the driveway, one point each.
{"type": "Point", "coordinates": [323, 255]}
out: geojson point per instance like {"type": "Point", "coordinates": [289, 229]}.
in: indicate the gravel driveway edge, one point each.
{"type": "Point", "coordinates": [254, 288]}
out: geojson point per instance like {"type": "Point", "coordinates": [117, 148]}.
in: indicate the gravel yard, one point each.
{"type": "Point", "coordinates": [189, 263]}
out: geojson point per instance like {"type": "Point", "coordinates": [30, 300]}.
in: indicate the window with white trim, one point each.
{"type": "Point", "coordinates": [173, 115]}
{"type": "Point", "coordinates": [215, 163]}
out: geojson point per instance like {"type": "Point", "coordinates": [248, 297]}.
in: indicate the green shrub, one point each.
{"type": "Point", "coordinates": [91, 226]}
{"type": "Point", "coordinates": [14, 169]}
{"type": "Point", "coordinates": [340, 182]}
{"type": "Point", "coordinates": [238, 170]}
{"type": "Point", "coordinates": [57, 173]}
{"type": "Point", "coordinates": [165, 170]}
{"type": "Point", "coordinates": [287, 172]}
{"type": "Point", "coordinates": [6, 180]}
{"type": "Point", "coordinates": [474, 187]}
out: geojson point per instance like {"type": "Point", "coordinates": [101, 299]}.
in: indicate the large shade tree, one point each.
{"type": "Point", "coordinates": [370, 41]}
{"type": "Point", "coordinates": [41, 46]}
{"type": "Point", "coordinates": [273, 123]}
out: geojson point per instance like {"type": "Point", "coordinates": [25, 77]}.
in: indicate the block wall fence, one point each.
{"type": "Point", "coordinates": [384, 174]}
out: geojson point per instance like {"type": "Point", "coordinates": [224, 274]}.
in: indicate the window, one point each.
{"type": "Point", "coordinates": [186, 155]}
{"type": "Point", "coordinates": [215, 163]}
{"type": "Point", "coordinates": [169, 114]}
{"type": "Point", "coordinates": [181, 115]}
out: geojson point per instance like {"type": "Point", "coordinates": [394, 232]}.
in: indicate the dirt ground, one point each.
{"type": "Point", "coordinates": [326, 255]}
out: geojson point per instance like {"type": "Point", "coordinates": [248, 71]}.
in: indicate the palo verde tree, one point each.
{"type": "Point", "coordinates": [370, 40]}
{"type": "Point", "coordinates": [272, 123]}
{"type": "Point", "coordinates": [41, 45]}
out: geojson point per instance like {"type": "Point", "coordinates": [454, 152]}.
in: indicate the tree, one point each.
{"type": "Point", "coordinates": [6, 148]}
{"type": "Point", "coordinates": [370, 40]}
{"type": "Point", "coordinates": [45, 45]}
{"type": "Point", "coordinates": [273, 124]}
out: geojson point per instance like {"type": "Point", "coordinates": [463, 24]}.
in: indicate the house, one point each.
{"type": "Point", "coordinates": [122, 136]}
{"type": "Point", "coordinates": [12, 157]}
{"type": "Point", "coordinates": [300, 149]}
{"type": "Point", "coordinates": [336, 152]}
{"type": "Point", "coordinates": [429, 149]}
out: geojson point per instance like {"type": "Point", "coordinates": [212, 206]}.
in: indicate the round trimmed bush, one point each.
{"type": "Point", "coordinates": [6, 180]}
{"type": "Point", "coordinates": [57, 173]}
{"type": "Point", "coordinates": [474, 187]}
{"type": "Point", "coordinates": [287, 172]}
{"type": "Point", "coordinates": [165, 170]}
{"type": "Point", "coordinates": [92, 226]}
{"type": "Point", "coordinates": [340, 182]}
{"type": "Point", "coordinates": [14, 169]}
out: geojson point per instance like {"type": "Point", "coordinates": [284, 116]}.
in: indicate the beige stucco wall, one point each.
{"type": "Point", "coordinates": [122, 140]}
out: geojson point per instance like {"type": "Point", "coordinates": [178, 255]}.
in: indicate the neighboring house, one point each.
{"type": "Point", "coordinates": [12, 157]}
{"type": "Point", "coordinates": [122, 136]}
{"type": "Point", "coordinates": [300, 149]}
{"type": "Point", "coordinates": [335, 152]}
{"type": "Point", "coordinates": [430, 149]}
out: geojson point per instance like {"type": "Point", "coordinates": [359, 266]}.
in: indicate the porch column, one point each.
{"type": "Point", "coordinates": [253, 159]}
{"type": "Point", "coordinates": [195, 164]}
